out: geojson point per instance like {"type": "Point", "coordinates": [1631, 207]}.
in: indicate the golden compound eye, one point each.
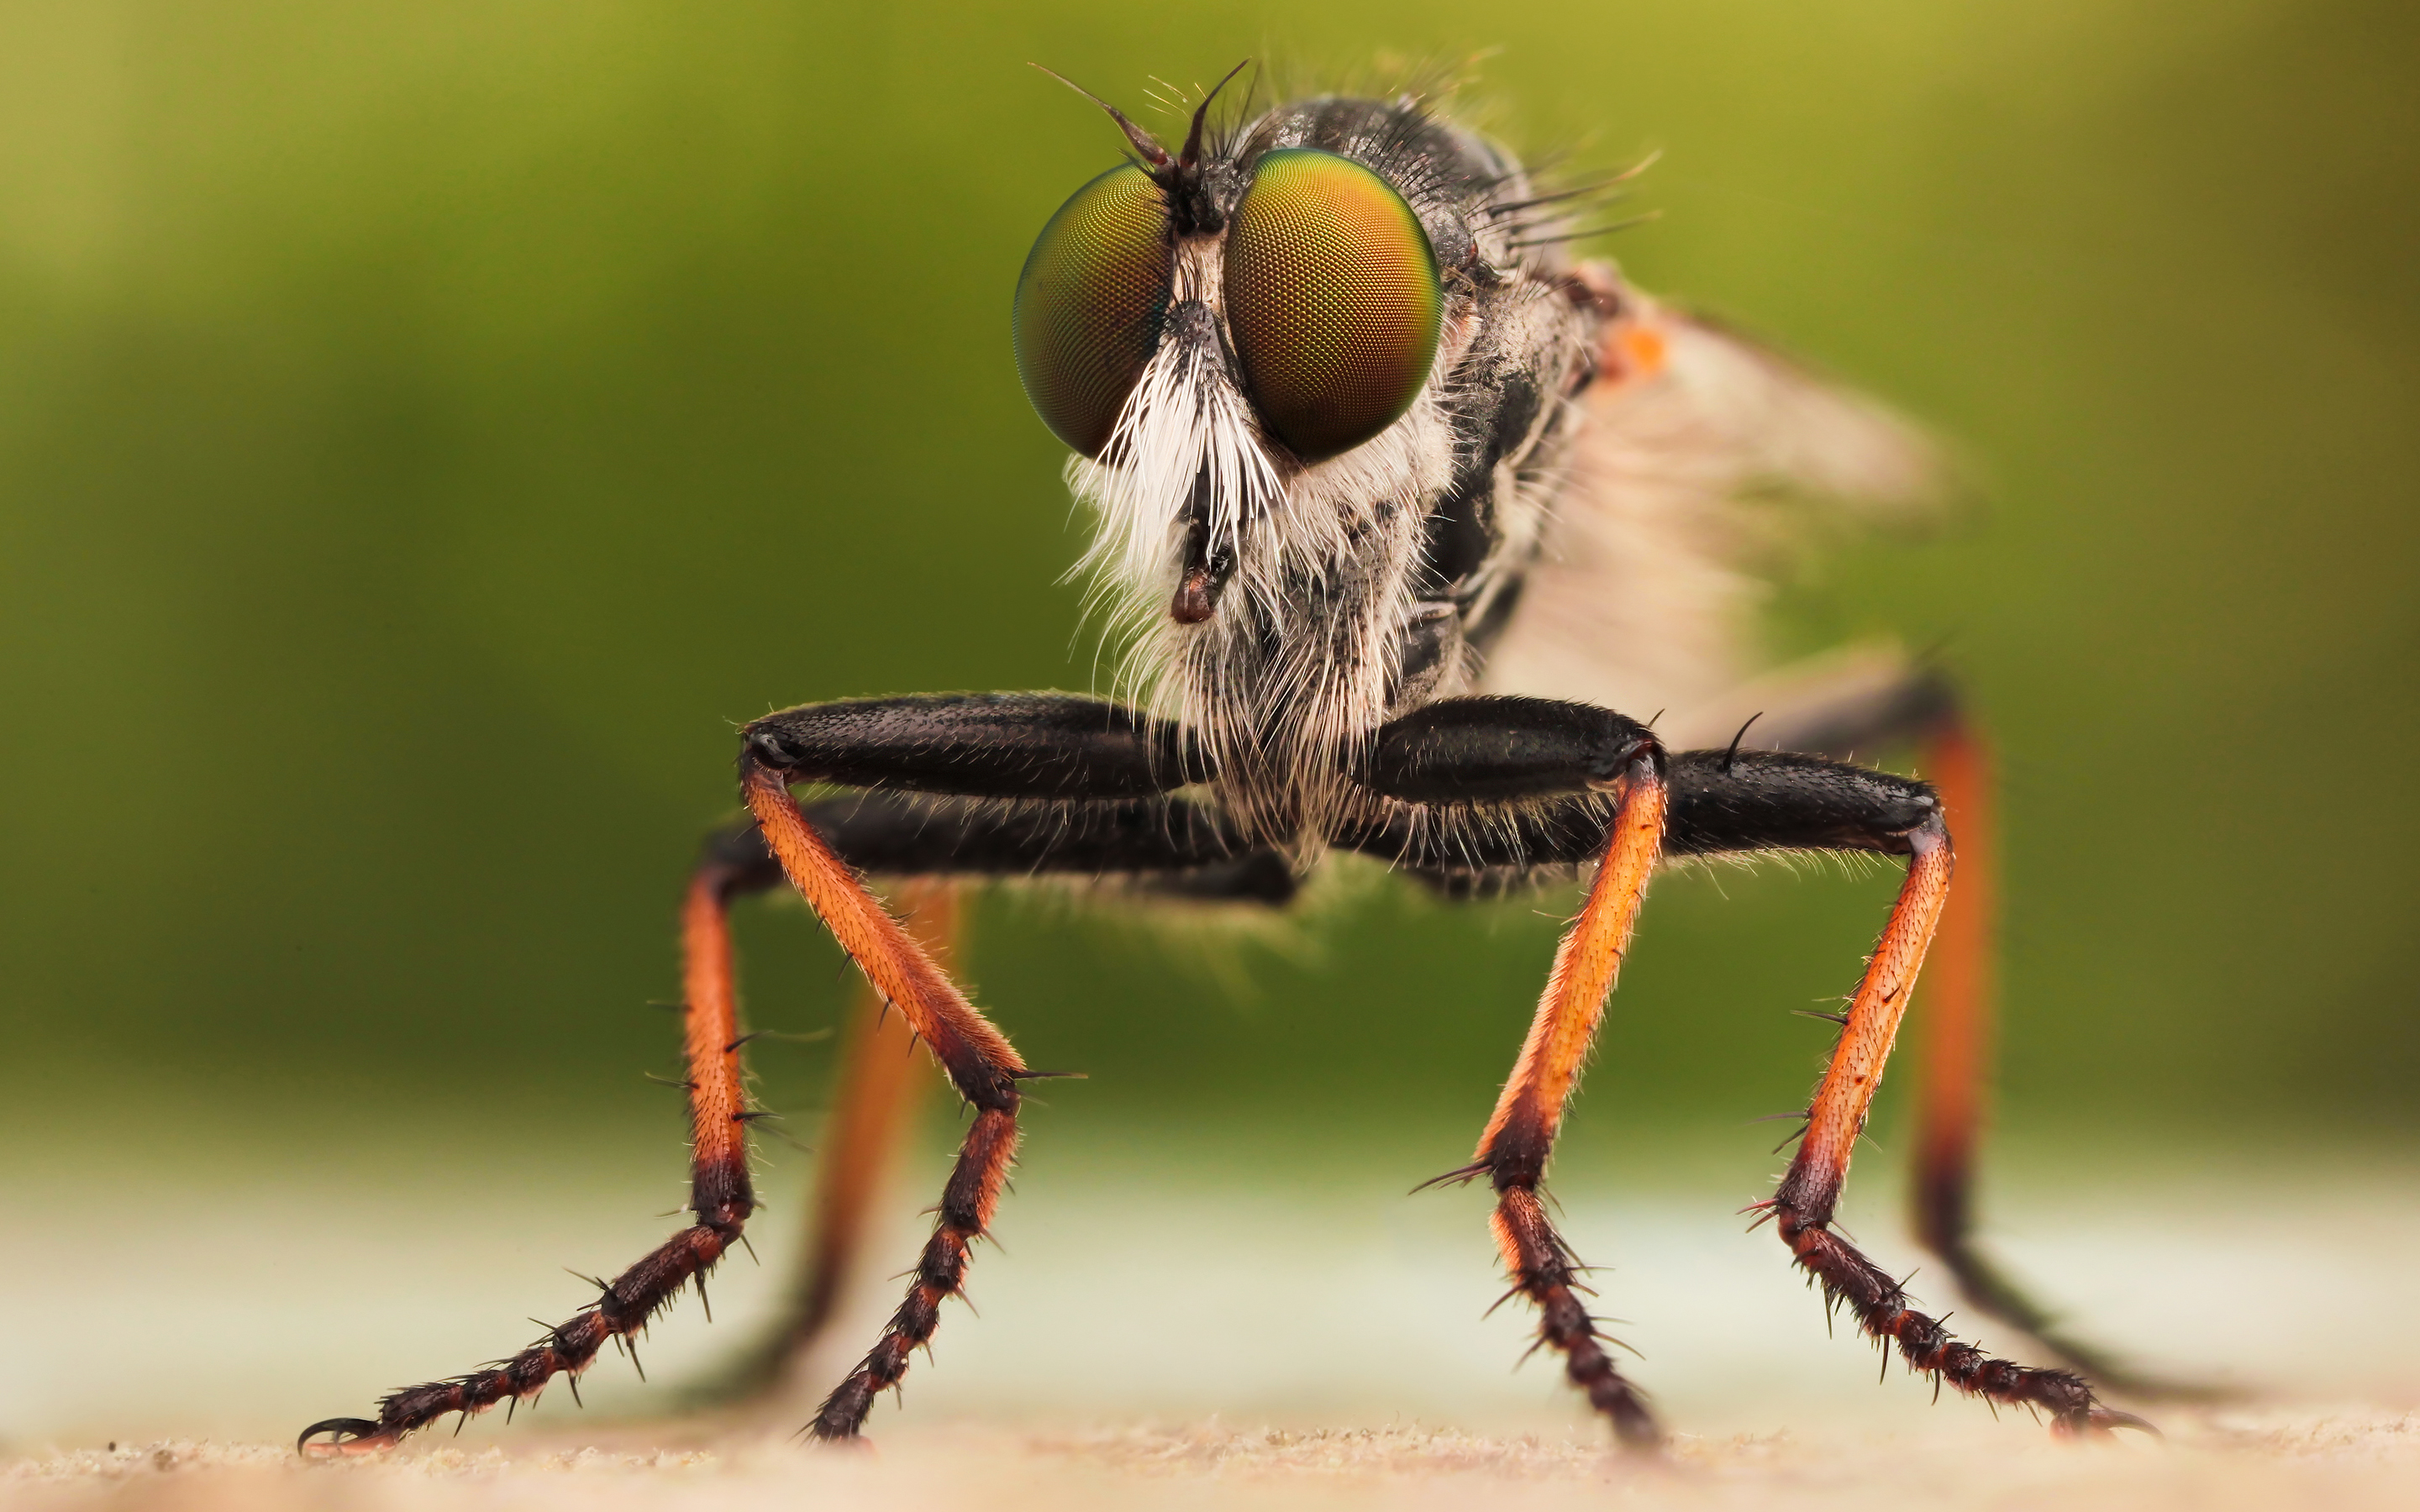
{"type": "Point", "coordinates": [1332, 298]}
{"type": "Point", "coordinates": [1090, 302]}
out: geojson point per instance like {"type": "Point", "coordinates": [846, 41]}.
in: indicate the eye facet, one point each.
{"type": "Point", "coordinates": [1090, 302]}
{"type": "Point", "coordinates": [1332, 298]}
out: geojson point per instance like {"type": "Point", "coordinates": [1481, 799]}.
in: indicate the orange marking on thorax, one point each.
{"type": "Point", "coordinates": [1643, 350]}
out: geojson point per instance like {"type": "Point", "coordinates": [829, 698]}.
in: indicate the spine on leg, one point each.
{"type": "Point", "coordinates": [721, 1195]}
{"type": "Point", "coordinates": [1521, 1135]}
{"type": "Point", "coordinates": [881, 1084]}
{"type": "Point", "coordinates": [1542, 1269]}
{"type": "Point", "coordinates": [966, 1205]}
{"type": "Point", "coordinates": [1804, 1202]}
{"type": "Point", "coordinates": [976, 1057]}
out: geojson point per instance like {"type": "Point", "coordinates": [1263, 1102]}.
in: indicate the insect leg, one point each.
{"type": "Point", "coordinates": [720, 1198]}
{"type": "Point", "coordinates": [1954, 1071]}
{"type": "Point", "coordinates": [1741, 801]}
{"type": "Point", "coordinates": [1014, 746]}
{"type": "Point", "coordinates": [1859, 701]}
{"type": "Point", "coordinates": [1167, 848]}
{"type": "Point", "coordinates": [1510, 747]}
{"type": "Point", "coordinates": [1871, 699]}
{"type": "Point", "coordinates": [1521, 1134]}
{"type": "Point", "coordinates": [876, 1087]}
{"type": "Point", "coordinates": [1159, 848]}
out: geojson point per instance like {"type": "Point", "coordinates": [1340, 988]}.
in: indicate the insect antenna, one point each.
{"type": "Point", "coordinates": [1144, 143]}
{"type": "Point", "coordinates": [1192, 153]}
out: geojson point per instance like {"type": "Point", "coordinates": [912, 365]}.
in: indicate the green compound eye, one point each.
{"type": "Point", "coordinates": [1332, 298]}
{"type": "Point", "coordinates": [1090, 302]}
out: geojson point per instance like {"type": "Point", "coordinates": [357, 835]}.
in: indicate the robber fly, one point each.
{"type": "Point", "coordinates": [1399, 505]}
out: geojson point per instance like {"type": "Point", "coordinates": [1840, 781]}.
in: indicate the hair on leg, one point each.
{"type": "Point", "coordinates": [1803, 1203]}
{"type": "Point", "coordinates": [1521, 1135]}
{"type": "Point", "coordinates": [880, 1083]}
{"type": "Point", "coordinates": [977, 1059]}
{"type": "Point", "coordinates": [876, 1087]}
{"type": "Point", "coordinates": [1954, 1069]}
{"type": "Point", "coordinates": [1874, 698]}
{"type": "Point", "coordinates": [720, 1197]}
{"type": "Point", "coordinates": [1733, 801]}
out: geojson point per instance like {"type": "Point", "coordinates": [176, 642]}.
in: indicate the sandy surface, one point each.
{"type": "Point", "coordinates": [2344, 1461]}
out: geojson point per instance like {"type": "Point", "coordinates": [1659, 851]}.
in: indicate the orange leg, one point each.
{"type": "Point", "coordinates": [1958, 1004]}
{"type": "Point", "coordinates": [881, 1082]}
{"type": "Point", "coordinates": [878, 1085]}
{"type": "Point", "coordinates": [719, 1196]}
{"type": "Point", "coordinates": [1521, 1135]}
{"type": "Point", "coordinates": [1954, 1071]}
{"type": "Point", "coordinates": [978, 1060]}
{"type": "Point", "coordinates": [1808, 1193]}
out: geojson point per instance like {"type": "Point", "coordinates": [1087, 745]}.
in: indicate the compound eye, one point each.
{"type": "Point", "coordinates": [1332, 299]}
{"type": "Point", "coordinates": [1090, 302]}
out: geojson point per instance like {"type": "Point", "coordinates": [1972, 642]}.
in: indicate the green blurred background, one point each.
{"type": "Point", "coordinates": [426, 430]}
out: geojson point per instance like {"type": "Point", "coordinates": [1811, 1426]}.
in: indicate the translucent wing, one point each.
{"type": "Point", "coordinates": [1698, 452]}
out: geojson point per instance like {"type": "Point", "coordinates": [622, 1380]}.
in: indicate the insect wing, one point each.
{"type": "Point", "coordinates": [1699, 453]}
